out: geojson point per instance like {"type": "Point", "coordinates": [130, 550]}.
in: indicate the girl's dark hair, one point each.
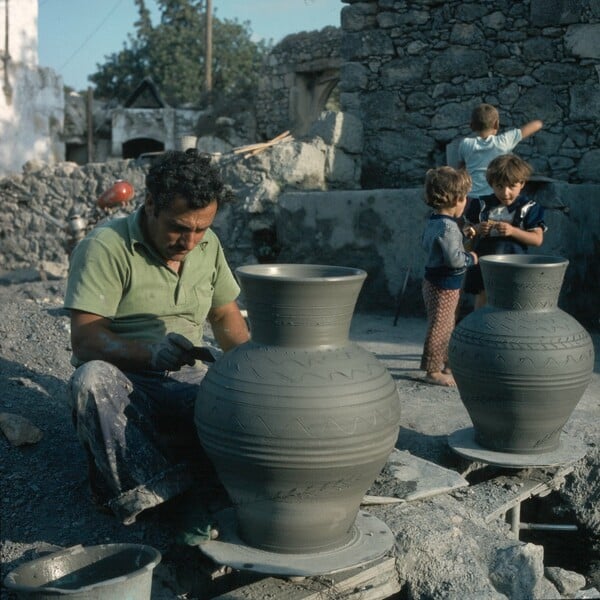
{"type": "Point", "coordinates": [188, 174]}
{"type": "Point", "coordinates": [445, 186]}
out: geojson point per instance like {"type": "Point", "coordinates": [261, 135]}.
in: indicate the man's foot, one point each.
{"type": "Point", "coordinates": [447, 371]}
{"type": "Point", "coordinates": [439, 378]}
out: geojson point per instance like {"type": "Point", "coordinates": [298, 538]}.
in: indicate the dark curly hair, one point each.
{"type": "Point", "coordinates": [188, 174]}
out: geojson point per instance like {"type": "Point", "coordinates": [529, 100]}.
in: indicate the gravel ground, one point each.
{"type": "Point", "coordinates": [45, 498]}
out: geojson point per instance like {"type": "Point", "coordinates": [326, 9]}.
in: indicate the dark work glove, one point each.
{"type": "Point", "coordinates": [174, 351]}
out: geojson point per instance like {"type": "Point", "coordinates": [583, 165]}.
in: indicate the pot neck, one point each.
{"type": "Point", "coordinates": [523, 287]}
{"type": "Point", "coordinates": [315, 312]}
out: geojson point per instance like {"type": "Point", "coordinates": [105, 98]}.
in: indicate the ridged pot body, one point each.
{"type": "Point", "coordinates": [299, 421]}
{"type": "Point", "coordinates": [521, 364]}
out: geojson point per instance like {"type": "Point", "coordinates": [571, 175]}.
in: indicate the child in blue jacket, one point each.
{"type": "Point", "coordinates": [447, 261]}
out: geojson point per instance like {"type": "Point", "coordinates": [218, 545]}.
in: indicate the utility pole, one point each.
{"type": "Point", "coordinates": [90, 124]}
{"type": "Point", "coordinates": [208, 49]}
{"type": "Point", "coordinates": [6, 88]}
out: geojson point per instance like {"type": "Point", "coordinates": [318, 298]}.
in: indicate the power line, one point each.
{"type": "Point", "coordinates": [89, 37]}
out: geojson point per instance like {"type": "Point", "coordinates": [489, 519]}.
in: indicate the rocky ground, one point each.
{"type": "Point", "coordinates": [45, 502]}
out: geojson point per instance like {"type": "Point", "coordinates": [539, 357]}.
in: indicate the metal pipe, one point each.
{"type": "Point", "coordinates": [548, 527]}
{"type": "Point", "coordinates": [515, 519]}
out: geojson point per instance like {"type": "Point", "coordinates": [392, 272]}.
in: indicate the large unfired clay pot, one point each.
{"type": "Point", "coordinates": [299, 421]}
{"type": "Point", "coordinates": [521, 364]}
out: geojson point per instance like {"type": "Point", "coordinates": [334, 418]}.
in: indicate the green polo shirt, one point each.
{"type": "Point", "coordinates": [116, 274]}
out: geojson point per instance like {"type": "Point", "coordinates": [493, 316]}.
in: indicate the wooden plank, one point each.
{"type": "Point", "coordinates": [376, 500]}
{"type": "Point", "coordinates": [495, 497]}
{"type": "Point", "coordinates": [375, 579]}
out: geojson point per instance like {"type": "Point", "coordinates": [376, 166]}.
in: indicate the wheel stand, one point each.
{"type": "Point", "coordinates": [371, 539]}
{"type": "Point", "coordinates": [543, 473]}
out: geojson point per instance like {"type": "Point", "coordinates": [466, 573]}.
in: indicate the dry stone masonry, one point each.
{"type": "Point", "coordinates": [299, 74]}
{"type": "Point", "coordinates": [413, 70]}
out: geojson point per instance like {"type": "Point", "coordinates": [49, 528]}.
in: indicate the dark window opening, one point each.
{"type": "Point", "coordinates": [133, 148]}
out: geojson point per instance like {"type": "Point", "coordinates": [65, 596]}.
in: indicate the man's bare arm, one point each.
{"type": "Point", "coordinates": [228, 325]}
{"type": "Point", "coordinates": [92, 339]}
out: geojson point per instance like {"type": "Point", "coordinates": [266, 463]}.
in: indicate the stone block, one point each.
{"type": "Point", "coordinates": [585, 102]}
{"type": "Point", "coordinates": [567, 582]}
{"type": "Point", "coordinates": [584, 40]}
{"type": "Point", "coordinates": [366, 43]}
{"type": "Point", "coordinates": [559, 74]}
{"type": "Point", "coordinates": [343, 130]}
{"type": "Point", "coordinates": [589, 166]}
{"type": "Point", "coordinates": [457, 61]}
{"type": "Point", "coordinates": [297, 165]}
{"type": "Point", "coordinates": [452, 115]}
{"type": "Point", "coordinates": [403, 70]}
{"type": "Point", "coordinates": [342, 171]}
{"type": "Point", "coordinates": [518, 572]}
{"type": "Point", "coordinates": [544, 13]}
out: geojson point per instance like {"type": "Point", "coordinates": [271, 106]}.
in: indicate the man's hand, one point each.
{"type": "Point", "coordinates": [171, 353]}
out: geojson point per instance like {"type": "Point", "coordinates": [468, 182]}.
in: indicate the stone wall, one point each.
{"type": "Point", "coordinates": [287, 212]}
{"type": "Point", "coordinates": [298, 76]}
{"type": "Point", "coordinates": [413, 70]}
{"type": "Point", "coordinates": [380, 231]}
{"type": "Point", "coordinates": [37, 204]}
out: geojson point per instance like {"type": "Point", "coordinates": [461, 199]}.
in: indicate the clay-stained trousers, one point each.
{"type": "Point", "coordinates": [139, 434]}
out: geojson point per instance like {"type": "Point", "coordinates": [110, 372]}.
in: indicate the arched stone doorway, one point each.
{"type": "Point", "coordinates": [299, 78]}
{"type": "Point", "coordinates": [309, 96]}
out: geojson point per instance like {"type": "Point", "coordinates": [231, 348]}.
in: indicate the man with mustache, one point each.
{"type": "Point", "coordinates": [140, 289]}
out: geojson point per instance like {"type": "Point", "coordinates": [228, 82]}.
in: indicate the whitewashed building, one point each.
{"type": "Point", "coordinates": [31, 97]}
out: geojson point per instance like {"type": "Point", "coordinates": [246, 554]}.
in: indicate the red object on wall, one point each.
{"type": "Point", "coordinates": [120, 192]}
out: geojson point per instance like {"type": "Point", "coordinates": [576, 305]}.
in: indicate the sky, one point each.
{"type": "Point", "coordinates": [75, 35]}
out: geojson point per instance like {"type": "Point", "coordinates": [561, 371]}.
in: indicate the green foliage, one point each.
{"type": "Point", "coordinates": [172, 53]}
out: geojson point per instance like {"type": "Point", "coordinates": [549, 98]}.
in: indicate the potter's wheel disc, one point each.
{"type": "Point", "coordinates": [463, 442]}
{"type": "Point", "coordinates": [372, 539]}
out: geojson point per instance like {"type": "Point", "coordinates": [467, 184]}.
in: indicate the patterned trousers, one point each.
{"type": "Point", "coordinates": [440, 305]}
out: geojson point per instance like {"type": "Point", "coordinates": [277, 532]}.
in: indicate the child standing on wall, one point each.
{"type": "Point", "coordinates": [504, 222]}
{"type": "Point", "coordinates": [447, 261]}
{"type": "Point", "coordinates": [475, 153]}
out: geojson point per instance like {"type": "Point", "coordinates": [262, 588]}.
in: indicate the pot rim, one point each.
{"type": "Point", "coordinates": [533, 261]}
{"type": "Point", "coordinates": [300, 272]}
{"type": "Point", "coordinates": [152, 558]}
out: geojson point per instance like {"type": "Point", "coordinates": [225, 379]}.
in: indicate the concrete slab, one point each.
{"type": "Point", "coordinates": [417, 478]}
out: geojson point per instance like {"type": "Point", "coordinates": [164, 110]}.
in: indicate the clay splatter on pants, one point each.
{"type": "Point", "coordinates": [139, 434]}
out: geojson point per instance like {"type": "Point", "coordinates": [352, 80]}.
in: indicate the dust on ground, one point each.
{"type": "Point", "coordinates": [45, 502]}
